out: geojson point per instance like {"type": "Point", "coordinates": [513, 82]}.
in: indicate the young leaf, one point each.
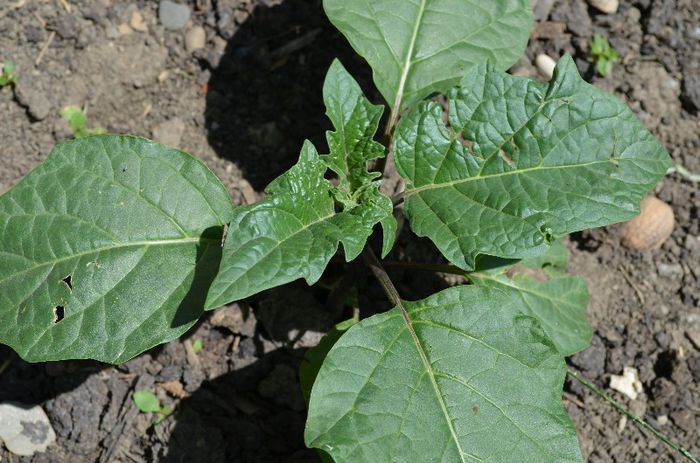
{"type": "Point", "coordinates": [352, 146]}
{"type": "Point", "coordinates": [146, 401]}
{"type": "Point", "coordinates": [522, 163]}
{"type": "Point", "coordinates": [291, 234]}
{"type": "Point", "coordinates": [296, 230]}
{"type": "Point", "coordinates": [460, 376]}
{"type": "Point", "coordinates": [543, 289]}
{"type": "Point", "coordinates": [108, 248]}
{"type": "Point", "coordinates": [417, 47]}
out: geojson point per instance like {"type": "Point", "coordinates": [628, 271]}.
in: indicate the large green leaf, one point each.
{"type": "Point", "coordinates": [291, 234]}
{"type": "Point", "coordinates": [460, 376]}
{"type": "Point", "coordinates": [295, 231]}
{"type": "Point", "coordinates": [107, 249]}
{"type": "Point", "coordinates": [417, 47]}
{"type": "Point", "coordinates": [544, 290]}
{"type": "Point", "coordinates": [522, 163]}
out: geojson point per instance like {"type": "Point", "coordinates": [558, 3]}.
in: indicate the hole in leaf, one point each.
{"type": "Point", "coordinates": [59, 312]}
{"type": "Point", "coordinates": [475, 410]}
{"type": "Point", "coordinates": [68, 281]}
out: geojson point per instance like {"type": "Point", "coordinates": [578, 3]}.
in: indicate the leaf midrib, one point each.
{"type": "Point", "coordinates": [431, 374]}
{"type": "Point", "coordinates": [145, 243]}
{"type": "Point", "coordinates": [433, 186]}
{"type": "Point", "coordinates": [409, 57]}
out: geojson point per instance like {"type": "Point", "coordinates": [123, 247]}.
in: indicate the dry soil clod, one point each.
{"type": "Point", "coordinates": [651, 228]}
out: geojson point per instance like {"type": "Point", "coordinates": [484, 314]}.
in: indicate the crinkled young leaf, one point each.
{"type": "Point", "coordinates": [464, 376]}
{"type": "Point", "coordinates": [352, 146]}
{"type": "Point", "coordinates": [543, 289]}
{"type": "Point", "coordinates": [291, 234]}
{"type": "Point", "coordinates": [522, 163]}
{"type": "Point", "coordinates": [417, 47]}
{"type": "Point", "coordinates": [108, 248]}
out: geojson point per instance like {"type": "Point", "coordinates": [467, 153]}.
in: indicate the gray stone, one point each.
{"type": "Point", "coordinates": [672, 271]}
{"type": "Point", "coordinates": [25, 430]}
{"type": "Point", "coordinates": [31, 97]}
{"type": "Point", "coordinates": [173, 16]}
{"type": "Point", "coordinates": [169, 132]}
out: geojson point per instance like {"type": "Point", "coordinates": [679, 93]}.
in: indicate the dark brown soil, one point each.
{"type": "Point", "coordinates": [243, 104]}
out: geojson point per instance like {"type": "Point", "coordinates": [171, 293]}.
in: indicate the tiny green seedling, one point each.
{"type": "Point", "coordinates": [197, 345]}
{"type": "Point", "coordinates": [147, 402]}
{"type": "Point", "coordinates": [77, 120]}
{"type": "Point", "coordinates": [8, 78]}
{"type": "Point", "coordinates": [603, 55]}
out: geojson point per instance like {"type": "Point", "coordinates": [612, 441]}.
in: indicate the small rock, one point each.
{"type": "Point", "coordinates": [663, 420]}
{"type": "Point", "coordinates": [628, 383]}
{"type": "Point", "coordinates": [542, 8]}
{"type": "Point", "coordinates": [32, 98]}
{"type": "Point", "coordinates": [638, 407]}
{"type": "Point", "coordinates": [137, 23]}
{"type": "Point", "coordinates": [606, 6]}
{"type": "Point", "coordinates": [235, 320]}
{"type": "Point", "coordinates": [694, 337]}
{"type": "Point", "coordinates": [195, 39]}
{"type": "Point", "coordinates": [169, 132]}
{"type": "Point", "coordinates": [124, 29]}
{"type": "Point", "coordinates": [545, 65]}
{"type": "Point", "coordinates": [591, 359]}
{"type": "Point", "coordinates": [672, 271]}
{"type": "Point", "coordinates": [174, 389]}
{"type": "Point", "coordinates": [684, 419]}
{"type": "Point", "coordinates": [25, 430]}
{"type": "Point", "coordinates": [173, 16]}
{"type": "Point", "coordinates": [193, 378]}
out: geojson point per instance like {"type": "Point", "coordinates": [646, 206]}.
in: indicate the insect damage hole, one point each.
{"type": "Point", "coordinates": [68, 281]}
{"type": "Point", "coordinates": [59, 312]}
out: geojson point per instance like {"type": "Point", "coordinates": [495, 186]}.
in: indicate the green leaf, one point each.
{"type": "Point", "coordinates": [296, 230]}
{"type": "Point", "coordinates": [108, 248]}
{"type": "Point", "coordinates": [460, 376]}
{"type": "Point", "coordinates": [522, 163]}
{"type": "Point", "coordinates": [146, 401]}
{"type": "Point", "coordinates": [352, 146]}
{"type": "Point", "coordinates": [75, 117]}
{"type": "Point", "coordinates": [291, 234]}
{"type": "Point", "coordinates": [417, 47]}
{"type": "Point", "coordinates": [542, 289]}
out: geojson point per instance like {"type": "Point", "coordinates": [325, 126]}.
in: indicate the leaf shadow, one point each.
{"type": "Point", "coordinates": [265, 96]}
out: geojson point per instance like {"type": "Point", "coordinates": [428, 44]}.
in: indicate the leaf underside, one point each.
{"type": "Point", "coordinates": [295, 231]}
{"type": "Point", "coordinates": [542, 289]}
{"type": "Point", "coordinates": [107, 249]}
{"type": "Point", "coordinates": [465, 377]}
{"type": "Point", "coordinates": [522, 163]}
{"type": "Point", "coordinates": [417, 47]}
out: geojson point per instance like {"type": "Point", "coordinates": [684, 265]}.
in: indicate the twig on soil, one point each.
{"type": "Point", "coordinates": [640, 422]}
{"type": "Point", "coordinates": [44, 48]}
{"type": "Point", "coordinates": [65, 5]}
{"type": "Point", "coordinates": [6, 363]}
{"type": "Point", "coordinates": [628, 279]}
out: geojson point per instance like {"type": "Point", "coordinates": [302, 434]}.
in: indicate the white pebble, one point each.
{"type": "Point", "coordinates": [25, 430]}
{"type": "Point", "coordinates": [606, 6]}
{"type": "Point", "coordinates": [545, 65]}
{"type": "Point", "coordinates": [195, 39]}
{"type": "Point", "coordinates": [628, 383]}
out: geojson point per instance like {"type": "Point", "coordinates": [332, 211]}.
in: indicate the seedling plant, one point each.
{"type": "Point", "coordinates": [603, 55]}
{"type": "Point", "coordinates": [116, 244]}
{"type": "Point", "coordinates": [7, 77]}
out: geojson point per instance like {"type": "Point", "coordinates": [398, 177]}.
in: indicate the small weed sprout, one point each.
{"type": "Point", "coordinates": [603, 55]}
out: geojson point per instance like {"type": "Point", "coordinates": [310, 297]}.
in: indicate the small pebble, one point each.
{"type": "Point", "coordinates": [25, 430]}
{"type": "Point", "coordinates": [195, 39]}
{"type": "Point", "coordinates": [605, 6]}
{"type": "Point", "coordinates": [173, 16]}
{"type": "Point", "coordinates": [628, 383]}
{"type": "Point", "coordinates": [545, 65]}
{"type": "Point", "coordinates": [671, 271]}
{"type": "Point", "coordinates": [137, 23]}
{"type": "Point", "coordinates": [169, 133]}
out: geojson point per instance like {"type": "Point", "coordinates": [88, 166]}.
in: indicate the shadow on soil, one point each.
{"type": "Point", "coordinates": [265, 98]}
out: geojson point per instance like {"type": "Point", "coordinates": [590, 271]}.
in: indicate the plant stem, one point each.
{"type": "Point", "coordinates": [378, 270]}
{"type": "Point", "coordinates": [640, 422]}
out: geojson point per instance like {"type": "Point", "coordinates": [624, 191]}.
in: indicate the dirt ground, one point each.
{"type": "Point", "coordinates": [243, 103]}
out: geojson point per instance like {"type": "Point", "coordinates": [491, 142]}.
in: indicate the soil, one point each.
{"type": "Point", "coordinates": [243, 104]}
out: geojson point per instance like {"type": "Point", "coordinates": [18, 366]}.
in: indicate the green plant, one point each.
{"type": "Point", "coordinates": [197, 345]}
{"type": "Point", "coordinates": [603, 55]}
{"type": "Point", "coordinates": [8, 78]}
{"type": "Point", "coordinates": [116, 244]}
{"type": "Point", "coordinates": [147, 402]}
{"type": "Point", "coordinates": [77, 120]}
